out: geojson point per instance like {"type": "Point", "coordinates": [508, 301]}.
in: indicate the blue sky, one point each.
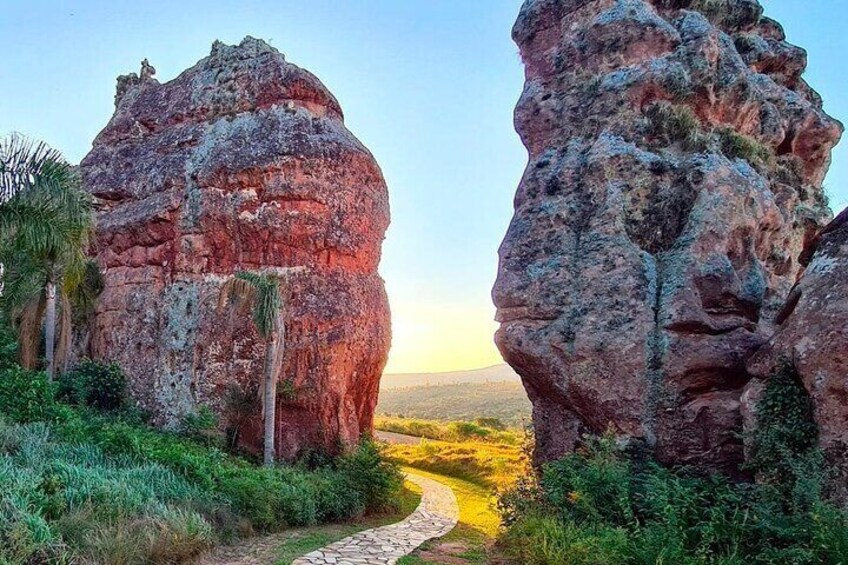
{"type": "Point", "coordinates": [428, 85]}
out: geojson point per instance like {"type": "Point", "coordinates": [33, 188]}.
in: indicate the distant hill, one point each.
{"type": "Point", "coordinates": [495, 374]}
{"type": "Point", "coordinates": [468, 401]}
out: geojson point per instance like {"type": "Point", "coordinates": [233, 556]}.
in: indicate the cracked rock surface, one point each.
{"type": "Point", "coordinates": [242, 162]}
{"type": "Point", "coordinates": [676, 157]}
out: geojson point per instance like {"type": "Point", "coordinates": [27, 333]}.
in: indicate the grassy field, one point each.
{"type": "Point", "coordinates": [505, 401]}
{"type": "Point", "coordinates": [476, 466]}
{"type": "Point", "coordinates": [467, 451]}
{"type": "Point", "coordinates": [494, 374]}
{"type": "Point", "coordinates": [482, 430]}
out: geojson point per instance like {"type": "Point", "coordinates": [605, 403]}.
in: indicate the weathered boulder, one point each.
{"type": "Point", "coordinates": [813, 339]}
{"type": "Point", "coordinates": [242, 162]}
{"type": "Point", "coordinates": [675, 167]}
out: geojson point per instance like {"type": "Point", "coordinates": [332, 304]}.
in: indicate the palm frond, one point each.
{"type": "Point", "coordinates": [237, 294]}
{"type": "Point", "coordinates": [258, 293]}
{"type": "Point", "coordinates": [25, 163]}
{"type": "Point", "coordinates": [24, 278]}
{"type": "Point", "coordinates": [83, 286]}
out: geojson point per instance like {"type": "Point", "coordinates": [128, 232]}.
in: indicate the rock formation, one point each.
{"type": "Point", "coordinates": [813, 339]}
{"type": "Point", "coordinates": [675, 165]}
{"type": "Point", "coordinates": [242, 162]}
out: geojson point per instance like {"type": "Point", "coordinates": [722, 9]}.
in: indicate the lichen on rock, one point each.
{"type": "Point", "coordinates": [676, 158]}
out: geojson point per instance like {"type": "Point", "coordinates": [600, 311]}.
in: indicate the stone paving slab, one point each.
{"type": "Point", "coordinates": [436, 515]}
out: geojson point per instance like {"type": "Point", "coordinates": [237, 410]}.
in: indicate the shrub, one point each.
{"type": "Point", "coordinates": [783, 446]}
{"type": "Point", "coordinates": [544, 540]}
{"type": "Point", "coordinates": [94, 384]}
{"type": "Point", "coordinates": [104, 488]}
{"type": "Point", "coordinates": [491, 423]}
{"type": "Point", "coordinates": [367, 472]}
{"type": "Point", "coordinates": [467, 430]}
{"type": "Point", "coordinates": [591, 498]}
{"type": "Point", "coordinates": [8, 345]}
{"type": "Point", "coordinates": [25, 396]}
{"type": "Point", "coordinates": [593, 487]}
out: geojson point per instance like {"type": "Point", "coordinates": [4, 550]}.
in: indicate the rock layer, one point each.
{"type": "Point", "coordinates": [242, 162]}
{"type": "Point", "coordinates": [813, 339]}
{"type": "Point", "coordinates": [675, 165]}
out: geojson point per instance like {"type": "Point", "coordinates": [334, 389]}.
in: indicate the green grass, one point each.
{"type": "Point", "coordinates": [80, 484]}
{"type": "Point", "coordinates": [482, 430]}
{"type": "Point", "coordinates": [478, 524]}
{"type": "Point", "coordinates": [303, 541]}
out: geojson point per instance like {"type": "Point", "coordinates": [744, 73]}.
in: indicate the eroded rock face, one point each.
{"type": "Point", "coordinates": [813, 338]}
{"type": "Point", "coordinates": [242, 162]}
{"type": "Point", "coordinates": [674, 176]}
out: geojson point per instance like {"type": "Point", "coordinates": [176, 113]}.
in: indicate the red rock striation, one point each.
{"type": "Point", "coordinates": [813, 338]}
{"type": "Point", "coordinates": [675, 165]}
{"type": "Point", "coordinates": [242, 162]}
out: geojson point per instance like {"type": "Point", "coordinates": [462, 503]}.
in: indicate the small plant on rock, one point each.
{"type": "Point", "coordinates": [735, 145]}
{"type": "Point", "coordinates": [676, 123]}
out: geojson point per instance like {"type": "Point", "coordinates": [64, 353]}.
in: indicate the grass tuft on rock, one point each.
{"type": "Point", "coordinates": [676, 124]}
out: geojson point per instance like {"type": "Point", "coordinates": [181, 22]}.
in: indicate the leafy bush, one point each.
{"type": "Point", "coordinates": [491, 423]}
{"type": "Point", "coordinates": [543, 540]}
{"type": "Point", "coordinates": [8, 344]}
{"type": "Point", "coordinates": [467, 430]}
{"type": "Point", "coordinates": [784, 452]}
{"type": "Point", "coordinates": [599, 506]}
{"type": "Point", "coordinates": [94, 384]}
{"type": "Point", "coordinates": [111, 491]}
{"type": "Point", "coordinates": [25, 396]}
{"type": "Point", "coordinates": [366, 472]}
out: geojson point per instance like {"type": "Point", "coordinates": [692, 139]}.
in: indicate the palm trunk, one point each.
{"type": "Point", "coordinates": [50, 329]}
{"type": "Point", "coordinates": [270, 399]}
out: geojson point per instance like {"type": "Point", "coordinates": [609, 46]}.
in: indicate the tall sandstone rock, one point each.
{"type": "Point", "coordinates": [242, 162]}
{"type": "Point", "coordinates": [676, 158]}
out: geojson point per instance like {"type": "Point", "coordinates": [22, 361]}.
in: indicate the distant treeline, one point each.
{"type": "Point", "coordinates": [505, 401]}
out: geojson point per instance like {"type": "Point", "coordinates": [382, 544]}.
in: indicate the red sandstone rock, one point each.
{"type": "Point", "coordinates": [813, 338]}
{"type": "Point", "coordinates": [646, 259]}
{"type": "Point", "coordinates": [242, 162]}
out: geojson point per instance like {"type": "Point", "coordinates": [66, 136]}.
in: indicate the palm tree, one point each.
{"type": "Point", "coordinates": [45, 223]}
{"type": "Point", "coordinates": [259, 293]}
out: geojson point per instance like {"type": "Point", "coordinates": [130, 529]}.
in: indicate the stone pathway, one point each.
{"type": "Point", "coordinates": [435, 516]}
